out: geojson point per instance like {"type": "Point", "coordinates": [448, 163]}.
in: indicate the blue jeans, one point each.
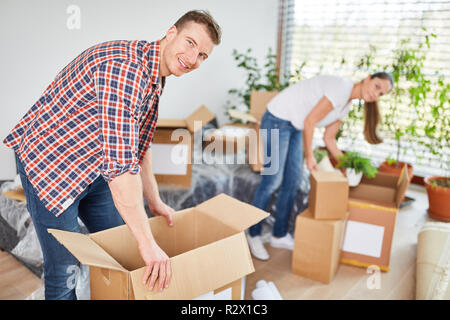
{"type": "Point", "coordinates": [94, 206]}
{"type": "Point", "coordinates": [283, 156]}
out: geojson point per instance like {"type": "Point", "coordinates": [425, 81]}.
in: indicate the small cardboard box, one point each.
{"type": "Point", "coordinates": [207, 247]}
{"type": "Point", "coordinates": [230, 138]}
{"type": "Point", "coordinates": [373, 207]}
{"type": "Point", "coordinates": [258, 106]}
{"type": "Point", "coordinates": [317, 245]}
{"type": "Point", "coordinates": [172, 149]}
{"type": "Point", "coordinates": [328, 196]}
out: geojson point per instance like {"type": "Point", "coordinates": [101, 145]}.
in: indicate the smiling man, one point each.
{"type": "Point", "coordinates": [83, 149]}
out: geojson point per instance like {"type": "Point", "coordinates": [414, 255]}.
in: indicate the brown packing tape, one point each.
{"type": "Point", "coordinates": [357, 263]}
{"type": "Point", "coordinates": [371, 206]}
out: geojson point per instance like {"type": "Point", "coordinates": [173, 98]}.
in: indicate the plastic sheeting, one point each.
{"type": "Point", "coordinates": [211, 175]}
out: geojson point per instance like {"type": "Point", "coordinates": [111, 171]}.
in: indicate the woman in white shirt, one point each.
{"type": "Point", "coordinates": [322, 101]}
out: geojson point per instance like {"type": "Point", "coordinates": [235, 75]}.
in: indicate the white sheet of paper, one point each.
{"type": "Point", "coordinates": [170, 159]}
{"type": "Point", "coordinates": [363, 238]}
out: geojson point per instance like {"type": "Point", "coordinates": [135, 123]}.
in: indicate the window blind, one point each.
{"type": "Point", "coordinates": [332, 36]}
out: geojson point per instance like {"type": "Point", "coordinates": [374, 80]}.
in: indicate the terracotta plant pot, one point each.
{"type": "Point", "coordinates": [438, 199]}
{"type": "Point", "coordinates": [396, 169]}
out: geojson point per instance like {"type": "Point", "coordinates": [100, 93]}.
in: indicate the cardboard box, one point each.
{"type": "Point", "coordinates": [230, 138]}
{"type": "Point", "coordinates": [328, 196]}
{"type": "Point", "coordinates": [258, 106]}
{"type": "Point", "coordinates": [317, 247]}
{"type": "Point", "coordinates": [207, 247]}
{"type": "Point", "coordinates": [16, 194]}
{"type": "Point", "coordinates": [373, 206]}
{"type": "Point", "coordinates": [172, 149]}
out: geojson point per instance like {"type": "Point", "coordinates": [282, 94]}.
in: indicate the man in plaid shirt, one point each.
{"type": "Point", "coordinates": [83, 149]}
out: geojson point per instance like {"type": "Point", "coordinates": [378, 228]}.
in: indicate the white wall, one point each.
{"type": "Point", "coordinates": [36, 44]}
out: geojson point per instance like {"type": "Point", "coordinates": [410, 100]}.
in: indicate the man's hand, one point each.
{"type": "Point", "coordinates": [161, 209]}
{"type": "Point", "coordinates": [157, 266]}
{"type": "Point", "coordinates": [311, 164]}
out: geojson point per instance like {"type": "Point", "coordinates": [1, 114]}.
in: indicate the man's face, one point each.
{"type": "Point", "coordinates": [185, 49]}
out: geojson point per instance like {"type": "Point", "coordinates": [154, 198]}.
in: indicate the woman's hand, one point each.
{"type": "Point", "coordinates": [311, 163]}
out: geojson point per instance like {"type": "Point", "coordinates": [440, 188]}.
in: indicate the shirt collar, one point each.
{"type": "Point", "coordinates": [154, 59]}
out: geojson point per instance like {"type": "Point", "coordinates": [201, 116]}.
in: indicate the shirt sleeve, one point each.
{"type": "Point", "coordinates": [336, 91]}
{"type": "Point", "coordinates": [119, 87]}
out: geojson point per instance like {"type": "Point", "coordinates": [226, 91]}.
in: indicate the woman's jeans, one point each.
{"type": "Point", "coordinates": [94, 206]}
{"type": "Point", "coordinates": [283, 157]}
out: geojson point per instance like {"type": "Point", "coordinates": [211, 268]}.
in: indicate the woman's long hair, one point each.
{"type": "Point", "coordinates": [372, 113]}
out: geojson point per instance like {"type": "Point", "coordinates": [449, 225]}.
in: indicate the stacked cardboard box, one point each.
{"type": "Point", "coordinates": [319, 230]}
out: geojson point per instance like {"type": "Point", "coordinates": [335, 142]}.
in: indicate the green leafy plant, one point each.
{"type": "Point", "coordinates": [319, 154]}
{"type": "Point", "coordinates": [444, 182]}
{"type": "Point", "coordinates": [258, 79]}
{"type": "Point", "coordinates": [391, 161]}
{"type": "Point", "coordinates": [353, 160]}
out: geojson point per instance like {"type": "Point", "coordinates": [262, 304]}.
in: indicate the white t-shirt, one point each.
{"type": "Point", "coordinates": [295, 102]}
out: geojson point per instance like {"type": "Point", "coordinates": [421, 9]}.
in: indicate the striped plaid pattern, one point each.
{"type": "Point", "coordinates": [97, 117]}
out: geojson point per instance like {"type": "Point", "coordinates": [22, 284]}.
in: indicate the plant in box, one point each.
{"type": "Point", "coordinates": [356, 166]}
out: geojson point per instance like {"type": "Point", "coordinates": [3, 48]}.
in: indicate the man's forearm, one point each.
{"type": "Point", "coordinates": [126, 191]}
{"type": "Point", "coordinates": [150, 186]}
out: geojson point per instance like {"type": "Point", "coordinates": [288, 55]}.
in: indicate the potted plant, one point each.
{"type": "Point", "coordinates": [438, 191]}
{"type": "Point", "coordinates": [356, 166]}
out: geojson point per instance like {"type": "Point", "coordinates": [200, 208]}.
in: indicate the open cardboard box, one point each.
{"type": "Point", "coordinates": [258, 106]}
{"type": "Point", "coordinates": [373, 207]}
{"type": "Point", "coordinates": [207, 247]}
{"type": "Point", "coordinates": [172, 151]}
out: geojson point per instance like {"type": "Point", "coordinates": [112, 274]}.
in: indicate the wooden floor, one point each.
{"type": "Point", "coordinates": [352, 282]}
{"type": "Point", "coordinates": [17, 282]}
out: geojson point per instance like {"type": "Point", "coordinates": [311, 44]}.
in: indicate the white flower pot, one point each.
{"type": "Point", "coordinates": [353, 177]}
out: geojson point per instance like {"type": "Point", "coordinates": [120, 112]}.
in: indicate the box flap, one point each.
{"type": "Point", "coordinates": [85, 249]}
{"type": "Point", "coordinates": [202, 114]}
{"type": "Point", "coordinates": [201, 270]}
{"type": "Point", "coordinates": [171, 123]}
{"type": "Point", "coordinates": [402, 186]}
{"type": "Point", "coordinates": [328, 176]}
{"type": "Point", "coordinates": [232, 212]}
{"type": "Point", "coordinates": [259, 101]}
{"type": "Point", "coordinates": [242, 115]}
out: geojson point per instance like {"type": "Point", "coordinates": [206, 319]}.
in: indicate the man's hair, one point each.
{"type": "Point", "coordinates": [205, 18]}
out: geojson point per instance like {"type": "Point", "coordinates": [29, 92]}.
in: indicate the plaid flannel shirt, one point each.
{"type": "Point", "coordinates": [97, 117]}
